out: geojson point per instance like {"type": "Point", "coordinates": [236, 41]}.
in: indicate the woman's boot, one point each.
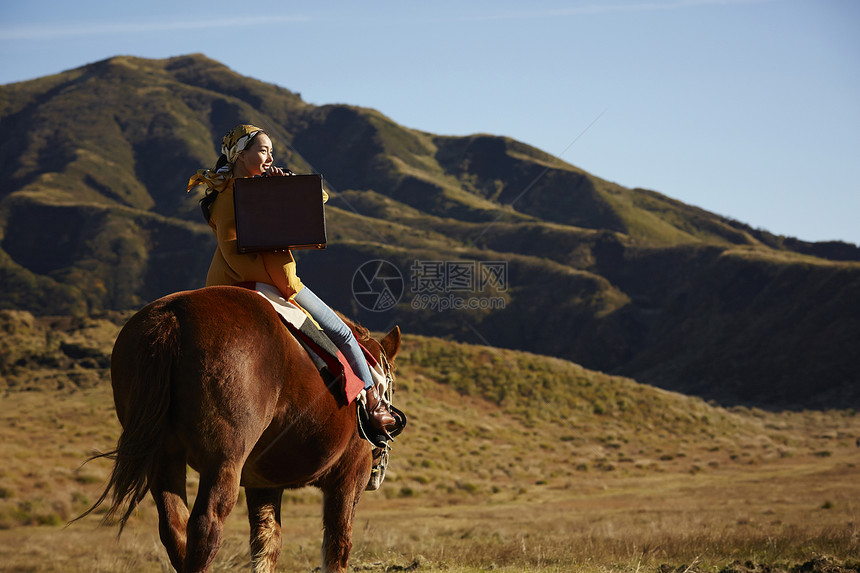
{"type": "Point", "coordinates": [377, 411]}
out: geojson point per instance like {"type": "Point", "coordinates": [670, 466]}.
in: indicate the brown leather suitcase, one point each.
{"type": "Point", "coordinates": [279, 213]}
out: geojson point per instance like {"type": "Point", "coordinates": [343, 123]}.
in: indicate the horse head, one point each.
{"type": "Point", "coordinates": [384, 352]}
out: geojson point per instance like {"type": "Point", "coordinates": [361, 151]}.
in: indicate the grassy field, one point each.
{"type": "Point", "coordinates": [511, 462]}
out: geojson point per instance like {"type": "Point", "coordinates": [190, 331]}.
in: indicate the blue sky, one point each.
{"type": "Point", "coordinates": [747, 108]}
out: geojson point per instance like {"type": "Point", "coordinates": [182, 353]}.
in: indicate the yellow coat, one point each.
{"type": "Point", "coordinates": [228, 267]}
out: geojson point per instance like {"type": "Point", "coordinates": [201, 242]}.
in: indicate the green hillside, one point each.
{"type": "Point", "coordinates": [94, 220]}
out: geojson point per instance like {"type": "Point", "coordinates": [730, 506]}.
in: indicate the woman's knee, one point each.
{"type": "Point", "coordinates": [338, 331]}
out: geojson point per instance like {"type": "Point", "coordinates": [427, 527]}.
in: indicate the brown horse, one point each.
{"type": "Point", "coordinates": [211, 378]}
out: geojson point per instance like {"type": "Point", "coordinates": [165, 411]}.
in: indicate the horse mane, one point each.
{"type": "Point", "coordinates": [361, 333]}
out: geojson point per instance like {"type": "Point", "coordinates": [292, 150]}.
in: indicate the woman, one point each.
{"type": "Point", "coordinates": [246, 151]}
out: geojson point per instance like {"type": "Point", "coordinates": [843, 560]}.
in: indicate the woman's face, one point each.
{"type": "Point", "coordinates": [255, 159]}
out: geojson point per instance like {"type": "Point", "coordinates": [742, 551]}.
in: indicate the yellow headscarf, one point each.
{"type": "Point", "coordinates": [232, 143]}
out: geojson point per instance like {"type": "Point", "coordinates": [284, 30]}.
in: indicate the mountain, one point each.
{"type": "Point", "coordinates": [538, 254]}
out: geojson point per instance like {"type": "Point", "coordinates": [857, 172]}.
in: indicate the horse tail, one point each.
{"type": "Point", "coordinates": [141, 364]}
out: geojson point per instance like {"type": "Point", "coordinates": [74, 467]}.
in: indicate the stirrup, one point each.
{"type": "Point", "coordinates": [378, 438]}
{"type": "Point", "coordinates": [367, 431]}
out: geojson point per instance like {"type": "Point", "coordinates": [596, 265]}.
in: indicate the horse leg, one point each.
{"type": "Point", "coordinates": [341, 492]}
{"type": "Point", "coordinates": [264, 515]}
{"type": "Point", "coordinates": [216, 497]}
{"type": "Point", "coordinates": [167, 487]}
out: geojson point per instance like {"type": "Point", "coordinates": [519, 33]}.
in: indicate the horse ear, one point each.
{"type": "Point", "coordinates": [391, 342]}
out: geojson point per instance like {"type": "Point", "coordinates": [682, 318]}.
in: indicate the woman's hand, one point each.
{"type": "Point", "coordinates": [276, 171]}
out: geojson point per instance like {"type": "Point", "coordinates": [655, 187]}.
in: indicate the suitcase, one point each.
{"type": "Point", "coordinates": [279, 213]}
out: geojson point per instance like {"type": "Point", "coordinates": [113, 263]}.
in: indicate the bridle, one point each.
{"type": "Point", "coordinates": [389, 377]}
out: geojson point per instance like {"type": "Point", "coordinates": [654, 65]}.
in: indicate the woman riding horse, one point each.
{"type": "Point", "coordinates": [247, 151]}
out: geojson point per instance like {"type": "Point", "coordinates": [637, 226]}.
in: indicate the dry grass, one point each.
{"type": "Point", "coordinates": [475, 486]}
